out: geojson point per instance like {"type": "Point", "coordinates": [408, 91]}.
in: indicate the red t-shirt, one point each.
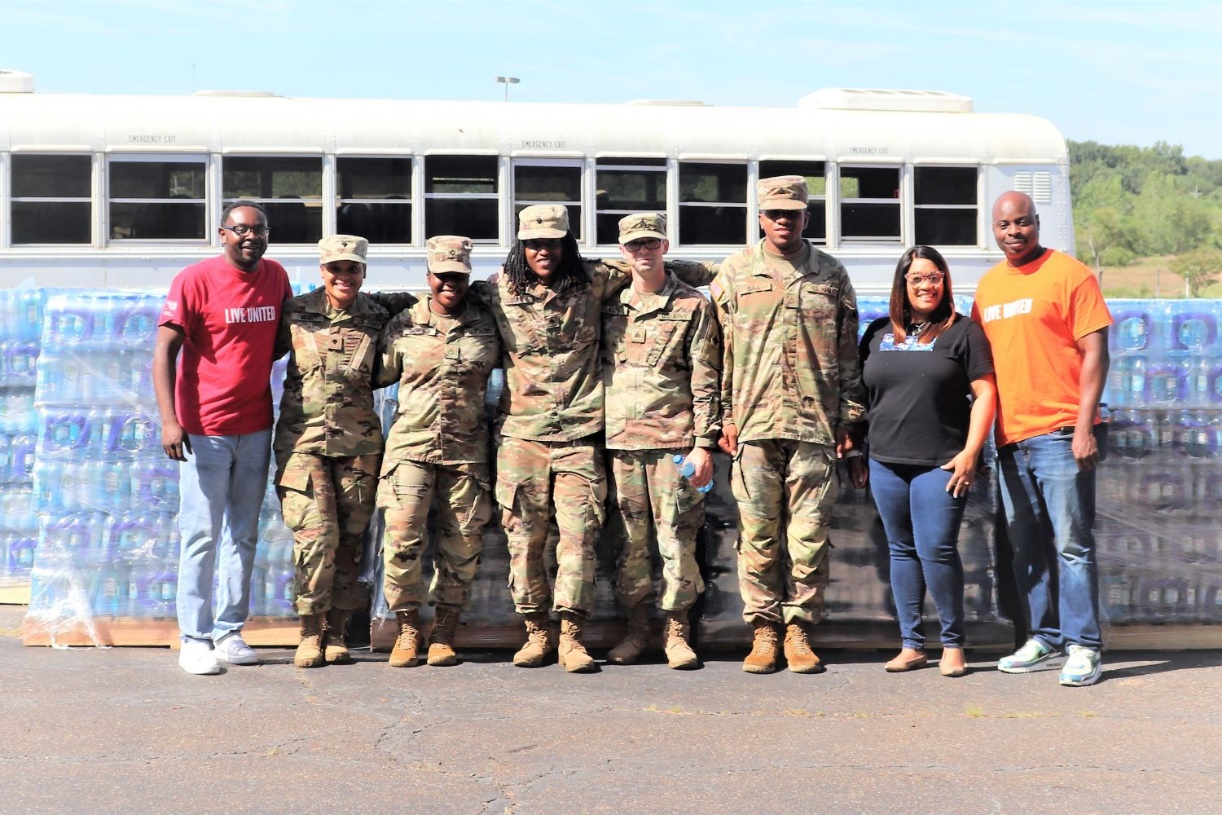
{"type": "Point", "coordinates": [229, 320]}
{"type": "Point", "coordinates": [1034, 316]}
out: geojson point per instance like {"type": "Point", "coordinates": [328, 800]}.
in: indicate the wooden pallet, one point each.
{"type": "Point", "coordinates": [130, 631]}
{"type": "Point", "coordinates": [283, 633]}
{"type": "Point", "coordinates": [15, 593]}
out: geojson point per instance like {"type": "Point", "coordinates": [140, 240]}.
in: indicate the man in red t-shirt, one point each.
{"type": "Point", "coordinates": [216, 418]}
{"type": "Point", "coordinates": [1045, 317]}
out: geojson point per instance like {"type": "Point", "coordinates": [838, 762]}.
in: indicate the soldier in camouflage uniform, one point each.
{"type": "Point", "coordinates": [328, 444]}
{"type": "Point", "coordinates": [440, 352]}
{"type": "Point", "coordinates": [547, 302]}
{"type": "Point", "coordinates": [791, 387]}
{"type": "Point", "coordinates": [662, 372]}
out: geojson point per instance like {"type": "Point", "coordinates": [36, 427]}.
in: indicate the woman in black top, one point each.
{"type": "Point", "coordinates": [932, 396]}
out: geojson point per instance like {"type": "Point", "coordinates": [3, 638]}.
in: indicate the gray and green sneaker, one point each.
{"type": "Point", "coordinates": [1033, 656]}
{"type": "Point", "coordinates": [1082, 668]}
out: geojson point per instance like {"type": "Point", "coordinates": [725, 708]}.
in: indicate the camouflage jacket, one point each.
{"type": "Point", "coordinates": [553, 387]}
{"type": "Point", "coordinates": [442, 366]}
{"type": "Point", "coordinates": [791, 369]}
{"type": "Point", "coordinates": [327, 406]}
{"type": "Point", "coordinates": [661, 369]}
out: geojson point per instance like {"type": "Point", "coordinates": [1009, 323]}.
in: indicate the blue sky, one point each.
{"type": "Point", "coordinates": [1115, 72]}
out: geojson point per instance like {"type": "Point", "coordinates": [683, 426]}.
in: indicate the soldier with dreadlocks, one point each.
{"type": "Point", "coordinates": [548, 302]}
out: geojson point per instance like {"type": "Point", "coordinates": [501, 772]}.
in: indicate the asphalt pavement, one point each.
{"type": "Point", "coordinates": [124, 730]}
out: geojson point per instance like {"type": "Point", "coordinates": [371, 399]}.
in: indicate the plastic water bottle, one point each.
{"type": "Point", "coordinates": [68, 326]}
{"type": "Point", "coordinates": [137, 323]}
{"type": "Point", "coordinates": [1193, 330]}
{"type": "Point", "coordinates": [154, 484]}
{"type": "Point", "coordinates": [687, 470]}
{"type": "Point", "coordinates": [19, 367]}
{"type": "Point", "coordinates": [1132, 332]}
{"type": "Point", "coordinates": [21, 554]}
{"type": "Point", "coordinates": [163, 592]}
{"type": "Point", "coordinates": [496, 384]}
{"type": "Point", "coordinates": [1131, 434]}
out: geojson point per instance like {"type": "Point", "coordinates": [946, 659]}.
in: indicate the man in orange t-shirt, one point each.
{"type": "Point", "coordinates": [1045, 317]}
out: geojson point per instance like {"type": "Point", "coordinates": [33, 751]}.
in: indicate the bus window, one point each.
{"type": "Point", "coordinates": [548, 182]}
{"type": "Point", "coordinates": [51, 199]}
{"type": "Point", "coordinates": [375, 198]}
{"type": "Point", "coordinates": [712, 203]}
{"type": "Point", "coordinates": [946, 206]}
{"type": "Point", "coordinates": [626, 186]}
{"type": "Point", "coordinates": [870, 204]}
{"type": "Point", "coordinates": [815, 173]}
{"type": "Point", "coordinates": [460, 196]}
{"type": "Point", "coordinates": [290, 189]}
{"type": "Point", "coordinates": [156, 198]}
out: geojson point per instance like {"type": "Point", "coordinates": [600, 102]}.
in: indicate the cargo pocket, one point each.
{"type": "Point", "coordinates": [296, 496]}
{"type": "Point", "coordinates": [598, 500]}
{"type": "Point", "coordinates": [506, 492]}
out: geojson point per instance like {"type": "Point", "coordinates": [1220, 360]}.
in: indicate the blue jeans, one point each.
{"type": "Point", "coordinates": [221, 492]}
{"type": "Point", "coordinates": [1050, 508]}
{"type": "Point", "coordinates": [922, 520]}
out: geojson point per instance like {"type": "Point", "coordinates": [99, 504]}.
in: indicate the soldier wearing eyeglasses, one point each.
{"type": "Point", "coordinates": [661, 366]}
{"type": "Point", "coordinates": [216, 419]}
{"type": "Point", "coordinates": [791, 387]}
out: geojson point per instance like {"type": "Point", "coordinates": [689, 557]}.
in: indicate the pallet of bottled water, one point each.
{"type": "Point", "coordinates": [1159, 525]}
{"type": "Point", "coordinates": [21, 317]}
{"type": "Point", "coordinates": [104, 492]}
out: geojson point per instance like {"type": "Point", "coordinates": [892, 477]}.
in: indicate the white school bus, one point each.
{"type": "Point", "coordinates": [120, 191]}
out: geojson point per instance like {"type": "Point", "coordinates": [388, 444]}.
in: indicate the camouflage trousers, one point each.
{"type": "Point", "coordinates": [536, 482]}
{"type": "Point", "coordinates": [463, 509]}
{"type": "Point", "coordinates": [328, 502]}
{"type": "Point", "coordinates": [650, 502]}
{"type": "Point", "coordinates": [785, 491]}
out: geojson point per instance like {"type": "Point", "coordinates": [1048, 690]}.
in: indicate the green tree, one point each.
{"type": "Point", "coordinates": [1199, 268]}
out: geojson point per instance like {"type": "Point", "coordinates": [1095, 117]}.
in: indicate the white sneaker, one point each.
{"type": "Point", "coordinates": [196, 658]}
{"type": "Point", "coordinates": [1083, 667]}
{"type": "Point", "coordinates": [234, 650]}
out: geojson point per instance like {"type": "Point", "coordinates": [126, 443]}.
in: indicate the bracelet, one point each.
{"type": "Point", "coordinates": [853, 454]}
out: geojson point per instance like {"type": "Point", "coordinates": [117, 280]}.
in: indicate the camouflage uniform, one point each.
{"type": "Point", "coordinates": [328, 445]}
{"type": "Point", "coordinates": [550, 452]}
{"type": "Point", "coordinates": [661, 368]}
{"type": "Point", "coordinates": [438, 445]}
{"type": "Point", "coordinates": [791, 378]}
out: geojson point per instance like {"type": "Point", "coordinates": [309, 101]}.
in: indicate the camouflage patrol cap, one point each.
{"type": "Point", "coordinates": [342, 247]}
{"type": "Point", "coordinates": [543, 221]}
{"type": "Point", "coordinates": [782, 192]}
{"type": "Point", "coordinates": [449, 253]}
{"type": "Point", "coordinates": [642, 225]}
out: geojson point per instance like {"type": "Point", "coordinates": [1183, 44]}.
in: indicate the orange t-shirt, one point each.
{"type": "Point", "coordinates": [1034, 316]}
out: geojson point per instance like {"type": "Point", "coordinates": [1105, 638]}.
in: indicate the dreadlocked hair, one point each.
{"type": "Point", "coordinates": [572, 271]}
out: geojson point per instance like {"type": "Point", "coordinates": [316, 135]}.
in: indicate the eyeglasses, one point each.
{"type": "Point", "coordinates": [778, 214]}
{"type": "Point", "coordinates": [933, 279]}
{"type": "Point", "coordinates": [242, 230]}
{"type": "Point", "coordinates": [535, 244]}
{"type": "Point", "coordinates": [648, 244]}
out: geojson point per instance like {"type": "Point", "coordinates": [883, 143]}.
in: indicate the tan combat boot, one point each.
{"type": "Point", "coordinates": [679, 653]}
{"type": "Point", "coordinates": [335, 645]}
{"type": "Point", "coordinates": [406, 652]}
{"type": "Point", "coordinates": [441, 640]}
{"type": "Point", "coordinates": [637, 639]}
{"type": "Point", "coordinates": [762, 659]}
{"type": "Point", "coordinates": [538, 642]}
{"type": "Point", "coordinates": [801, 659]}
{"type": "Point", "coordinates": [309, 652]}
{"type": "Point", "coordinates": [573, 655]}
